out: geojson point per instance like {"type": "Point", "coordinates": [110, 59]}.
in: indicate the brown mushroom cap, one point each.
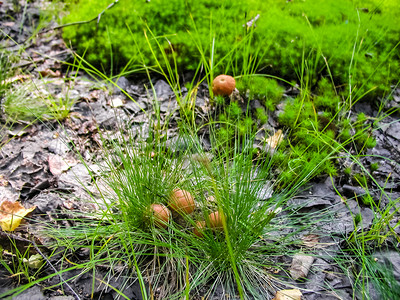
{"type": "Point", "coordinates": [161, 215]}
{"type": "Point", "coordinates": [223, 85]}
{"type": "Point", "coordinates": [182, 201]}
{"type": "Point", "coordinates": [199, 228]}
{"type": "Point", "coordinates": [215, 220]}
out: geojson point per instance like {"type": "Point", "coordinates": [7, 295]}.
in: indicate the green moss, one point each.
{"type": "Point", "coordinates": [119, 35]}
{"type": "Point", "coordinates": [360, 179]}
{"type": "Point", "coordinates": [234, 110]}
{"type": "Point", "coordinates": [326, 49]}
{"type": "Point", "coordinates": [374, 167]}
{"type": "Point", "coordinates": [326, 98]}
{"type": "Point", "coordinates": [261, 115]}
{"type": "Point", "coordinates": [345, 135]}
{"type": "Point", "coordinates": [334, 39]}
{"type": "Point", "coordinates": [219, 100]}
{"type": "Point", "coordinates": [290, 113]}
{"type": "Point", "coordinates": [266, 90]}
{"type": "Point", "coordinates": [361, 119]}
{"type": "Point", "coordinates": [370, 142]}
{"type": "Point", "coordinates": [347, 171]}
{"type": "Point", "coordinates": [357, 219]}
{"type": "Point", "coordinates": [367, 200]}
{"type": "Point", "coordinates": [234, 123]}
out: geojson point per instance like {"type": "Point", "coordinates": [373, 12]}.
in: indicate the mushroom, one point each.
{"type": "Point", "coordinates": [223, 85]}
{"type": "Point", "coordinates": [182, 201]}
{"type": "Point", "coordinates": [215, 220]}
{"type": "Point", "coordinates": [199, 228]}
{"type": "Point", "coordinates": [161, 215]}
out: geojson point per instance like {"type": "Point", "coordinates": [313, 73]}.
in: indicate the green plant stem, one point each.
{"type": "Point", "coordinates": [10, 235]}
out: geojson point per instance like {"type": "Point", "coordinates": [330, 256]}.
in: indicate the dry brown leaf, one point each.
{"type": "Point", "coordinates": [293, 294]}
{"type": "Point", "coordinates": [50, 73]}
{"type": "Point", "coordinates": [7, 24]}
{"type": "Point", "coordinates": [274, 140]}
{"type": "Point", "coordinates": [11, 214]}
{"type": "Point", "coordinates": [69, 204]}
{"type": "Point", "coordinates": [3, 180]}
{"type": "Point", "coordinates": [20, 78]}
{"type": "Point", "coordinates": [57, 164]}
{"type": "Point", "coordinates": [300, 266]}
{"type": "Point", "coordinates": [116, 102]}
{"type": "Point", "coordinates": [310, 240]}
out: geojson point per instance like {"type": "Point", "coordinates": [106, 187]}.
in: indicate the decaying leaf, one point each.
{"type": "Point", "coordinates": [310, 240]}
{"type": "Point", "coordinates": [3, 180]}
{"type": "Point", "coordinates": [274, 140]}
{"type": "Point", "coordinates": [34, 262]}
{"type": "Point", "coordinates": [50, 73]}
{"type": "Point", "coordinates": [18, 130]}
{"type": "Point", "coordinates": [20, 78]}
{"type": "Point", "coordinates": [293, 294]}
{"type": "Point", "coordinates": [11, 214]}
{"type": "Point", "coordinates": [57, 164]}
{"type": "Point", "coordinates": [116, 102]}
{"type": "Point", "coordinates": [300, 266]}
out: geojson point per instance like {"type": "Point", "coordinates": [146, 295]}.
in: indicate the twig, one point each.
{"type": "Point", "coordinates": [71, 24]}
{"type": "Point", "coordinates": [82, 22]}
{"type": "Point", "coordinates": [44, 257]}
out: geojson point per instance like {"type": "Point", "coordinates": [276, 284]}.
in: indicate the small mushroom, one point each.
{"type": "Point", "coordinates": [182, 201]}
{"type": "Point", "coordinates": [199, 228]}
{"type": "Point", "coordinates": [223, 85]}
{"type": "Point", "coordinates": [161, 215]}
{"type": "Point", "coordinates": [215, 220]}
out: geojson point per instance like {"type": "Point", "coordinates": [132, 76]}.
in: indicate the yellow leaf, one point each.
{"type": "Point", "coordinates": [274, 140]}
{"type": "Point", "coordinates": [293, 294]}
{"type": "Point", "coordinates": [11, 214]}
{"type": "Point", "coordinates": [34, 262]}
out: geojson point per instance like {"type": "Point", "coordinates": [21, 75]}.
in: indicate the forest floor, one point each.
{"type": "Point", "coordinates": [39, 167]}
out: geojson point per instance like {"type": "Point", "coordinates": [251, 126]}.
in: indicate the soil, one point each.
{"type": "Point", "coordinates": [33, 158]}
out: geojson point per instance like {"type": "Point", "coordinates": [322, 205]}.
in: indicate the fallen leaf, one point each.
{"type": "Point", "coordinates": [34, 262]}
{"type": "Point", "coordinates": [18, 131]}
{"type": "Point", "coordinates": [93, 96]}
{"type": "Point", "coordinates": [8, 193]}
{"type": "Point", "coordinates": [69, 204]}
{"type": "Point", "coordinates": [50, 73]}
{"type": "Point", "coordinates": [116, 102]}
{"type": "Point", "coordinates": [3, 180]}
{"type": "Point", "coordinates": [310, 240]}
{"type": "Point", "coordinates": [20, 78]}
{"type": "Point", "coordinates": [274, 140]}
{"type": "Point", "coordinates": [57, 164]}
{"type": "Point", "coordinates": [8, 24]}
{"type": "Point", "coordinates": [57, 81]}
{"type": "Point", "coordinates": [89, 126]}
{"type": "Point", "coordinates": [300, 266]}
{"type": "Point", "coordinates": [293, 294]}
{"type": "Point", "coordinates": [11, 214]}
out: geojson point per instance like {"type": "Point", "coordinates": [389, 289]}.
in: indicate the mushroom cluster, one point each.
{"type": "Point", "coordinates": [180, 201]}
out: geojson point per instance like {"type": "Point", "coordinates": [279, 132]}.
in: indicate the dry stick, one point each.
{"type": "Point", "coordinates": [44, 257]}
{"type": "Point", "coordinates": [74, 23]}
{"type": "Point", "coordinates": [82, 22]}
